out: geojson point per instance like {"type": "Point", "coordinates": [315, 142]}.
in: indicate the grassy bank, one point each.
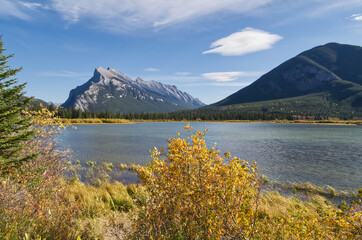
{"type": "Point", "coordinates": [109, 211]}
{"type": "Point", "coordinates": [97, 208]}
{"type": "Point", "coordinates": [125, 121]}
{"type": "Point", "coordinates": [76, 121]}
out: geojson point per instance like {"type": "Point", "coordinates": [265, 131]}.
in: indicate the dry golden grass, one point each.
{"type": "Point", "coordinates": [95, 121]}
{"type": "Point", "coordinates": [107, 209]}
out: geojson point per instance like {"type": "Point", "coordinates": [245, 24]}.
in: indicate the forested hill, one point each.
{"type": "Point", "coordinates": [325, 80]}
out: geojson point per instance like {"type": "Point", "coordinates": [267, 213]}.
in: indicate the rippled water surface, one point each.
{"type": "Point", "coordinates": [321, 154]}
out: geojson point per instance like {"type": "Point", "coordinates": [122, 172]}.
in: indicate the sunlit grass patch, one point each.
{"type": "Point", "coordinates": [95, 121]}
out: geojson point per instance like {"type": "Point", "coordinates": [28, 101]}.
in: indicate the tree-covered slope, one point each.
{"type": "Point", "coordinates": [324, 80]}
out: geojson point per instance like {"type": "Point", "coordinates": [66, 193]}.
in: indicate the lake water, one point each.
{"type": "Point", "coordinates": [321, 154]}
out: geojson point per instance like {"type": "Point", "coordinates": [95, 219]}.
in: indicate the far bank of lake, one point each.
{"type": "Point", "coordinates": [78, 121]}
{"type": "Point", "coordinates": [322, 154]}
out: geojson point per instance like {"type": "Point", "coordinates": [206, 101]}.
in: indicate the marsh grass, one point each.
{"type": "Point", "coordinates": [107, 209]}
{"type": "Point", "coordinates": [308, 188]}
{"type": "Point", "coordinates": [94, 121]}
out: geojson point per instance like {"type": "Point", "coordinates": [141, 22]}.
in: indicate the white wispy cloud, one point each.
{"type": "Point", "coordinates": [231, 84]}
{"type": "Point", "coordinates": [31, 5]}
{"type": "Point", "coordinates": [66, 74]}
{"type": "Point", "coordinates": [11, 8]}
{"type": "Point", "coordinates": [183, 73]}
{"type": "Point", "coordinates": [175, 79]}
{"type": "Point", "coordinates": [118, 15]}
{"type": "Point", "coordinates": [356, 17]}
{"type": "Point", "coordinates": [245, 41]}
{"type": "Point", "coordinates": [229, 76]}
{"type": "Point", "coordinates": [126, 15]}
{"type": "Point", "coordinates": [319, 8]}
{"type": "Point", "coordinates": [151, 69]}
{"type": "Point", "coordinates": [236, 79]}
{"type": "Point", "coordinates": [20, 9]}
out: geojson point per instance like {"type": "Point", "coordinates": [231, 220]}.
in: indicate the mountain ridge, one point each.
{"type": "Point", "coordinates": [111, 90]}
{"type": "Point", "coordinates": [332, 71]}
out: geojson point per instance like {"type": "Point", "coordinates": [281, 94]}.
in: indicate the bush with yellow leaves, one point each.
{"type": "Point", "coordinates": [195, 194]}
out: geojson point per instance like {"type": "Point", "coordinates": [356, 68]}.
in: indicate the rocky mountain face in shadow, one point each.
{"type": "Point", "coordinates": [333, 69]}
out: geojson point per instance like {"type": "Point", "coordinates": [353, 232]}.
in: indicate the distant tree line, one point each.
{"type": "Point", "coordinates": [202, 114]}
{"type": "Point", "coordinates": [185, 115]}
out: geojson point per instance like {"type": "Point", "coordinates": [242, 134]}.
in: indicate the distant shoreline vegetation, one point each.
{"type": "Point", "coordinates": [77, 121]}
{"type": "Point", "coordinates": [95, 121]}
{"type": "Point", "coordinates": [72, 116]}
{"type": "Point", "coordinates": [198, 115]}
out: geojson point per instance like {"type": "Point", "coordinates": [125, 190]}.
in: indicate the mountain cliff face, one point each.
{"type": "Point", "coordinates": [332, 73]}
{"type": "Point", "coordinates": [111, 90]}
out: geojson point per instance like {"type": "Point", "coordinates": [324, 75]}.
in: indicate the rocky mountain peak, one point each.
{"type": "Point", "coordinates": [110, 73]}
{"type": "Point", "coordinates": [111, 90]}
{"type": "Point", "coordinates": [140, 80]}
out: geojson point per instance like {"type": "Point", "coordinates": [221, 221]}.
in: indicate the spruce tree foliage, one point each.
{"type": "Point", "coordinates": [14, 125]}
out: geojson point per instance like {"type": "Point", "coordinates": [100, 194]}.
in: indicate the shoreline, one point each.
{"type": "Point", "coordinates": [88, 121]}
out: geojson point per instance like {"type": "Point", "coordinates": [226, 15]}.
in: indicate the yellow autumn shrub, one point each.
{"type": "Point", "coordinates": [196, 194]}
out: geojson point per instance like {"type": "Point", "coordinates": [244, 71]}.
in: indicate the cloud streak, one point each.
{"type": "Point", "coordinates": [151, 69]}
{"type": "Point", "coordinates": [66, 74]}
{"type": "Point", "coordinates": [183, 73]}
{"type": "Point", "coordinates": [126, 15]}
{"type": "Point", "coordinates": [229, 76]}
{"type": "Point", "coordinates": [31, 5]}
{"type": "Point", "coordinates": [321, 8]}
{"type": "Point", "coordinates": [118, 15]}
{"type": "Point", "coordinates": [356, 17]}
{"type": "Point", "coordinates": [10, 8]}
{"type": "Point", "coordinates": [231, 84]}
{"type": "Point", "coordinates": [243, 42]}
{"type": "Point", "coordinates": [20, 9]}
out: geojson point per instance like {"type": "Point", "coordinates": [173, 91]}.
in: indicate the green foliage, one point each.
{"type": "Point", "coordinates": [14, 124]}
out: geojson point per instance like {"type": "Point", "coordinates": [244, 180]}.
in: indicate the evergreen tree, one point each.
{"type": "Point", "coordinates": [14, 126]}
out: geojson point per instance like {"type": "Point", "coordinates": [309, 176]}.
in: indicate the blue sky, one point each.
{"type": "Point", "coordinates": [208, 48]}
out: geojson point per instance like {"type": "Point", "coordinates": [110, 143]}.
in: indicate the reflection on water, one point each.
{"type": "Point", "coordinates": [321, 154]}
